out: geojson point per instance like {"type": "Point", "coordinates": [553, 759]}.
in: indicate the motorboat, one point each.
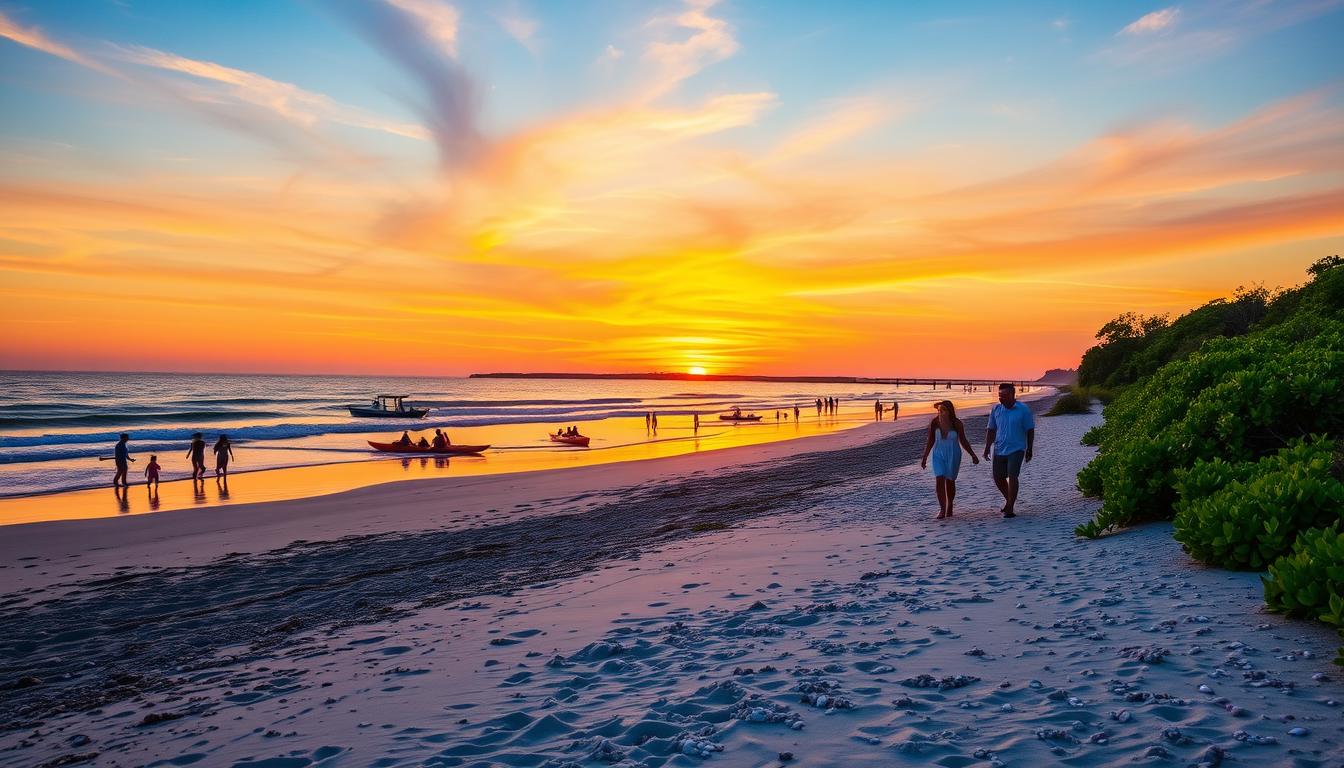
{"type": "Point", "coordinates": [449, 450]}
{"type": "Point", "coordinates": [388, 407]}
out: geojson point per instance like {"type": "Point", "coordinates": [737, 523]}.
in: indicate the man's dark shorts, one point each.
{"type": "Point", "coordinates": [1008, 465]}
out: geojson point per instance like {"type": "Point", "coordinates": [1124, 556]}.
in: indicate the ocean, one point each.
{"type": "Point", "coordinates": [55, 426]}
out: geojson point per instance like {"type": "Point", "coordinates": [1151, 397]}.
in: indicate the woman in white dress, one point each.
{"type": "Point", "coordinates": [947, 438]}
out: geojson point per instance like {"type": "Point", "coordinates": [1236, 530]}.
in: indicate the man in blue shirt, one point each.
{"type": "Point", "coordinates": [1011, 432]}
{"type": "Point", "coordinates": [121, 455]}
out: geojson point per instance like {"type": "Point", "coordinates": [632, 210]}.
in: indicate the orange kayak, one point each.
{"type": "Point", "coordinates": [578, 440]}
{"type": "Point", "coordinates": [415, 449]}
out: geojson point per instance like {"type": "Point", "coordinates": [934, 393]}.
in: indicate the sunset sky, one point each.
{"type": "Point", "coordinates": [863, 188]}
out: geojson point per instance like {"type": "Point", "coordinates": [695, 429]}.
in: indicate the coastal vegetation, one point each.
{"type": "Point", "coordinates": [1229, 421]}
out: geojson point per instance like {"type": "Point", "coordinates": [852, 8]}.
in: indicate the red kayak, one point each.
{"type": "Point", "coordinates": [415, 449]}
{"type": "Point", "coordinates": [578, 440]}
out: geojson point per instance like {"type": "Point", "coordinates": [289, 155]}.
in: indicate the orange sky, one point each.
{"type": "Point", "coordinates": [679, 218]}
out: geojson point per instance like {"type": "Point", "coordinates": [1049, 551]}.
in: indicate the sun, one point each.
{"type": "Point", "coordinates": [696, 370]}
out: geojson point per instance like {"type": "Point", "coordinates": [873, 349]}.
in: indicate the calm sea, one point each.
{"type": "Point", "coordinates": [54, 426]}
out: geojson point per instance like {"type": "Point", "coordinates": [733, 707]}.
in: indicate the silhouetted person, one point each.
{"type": "Point", "coordinates": [877, 410]}
{"type": "Point", "coordinates": [895, 410]}
{"type": "Point", "coordinates": [795, 412]}
{"type": "Point", "coordinates": [121, 456]}
{"type": "Point", "coordinates": [197, 455]}
{"type": "Point", "coordinates": [1011, 432]}
{"type": "Point", "coordinates": [654, 416]}
{"type": "Point", "coordinates": [818, 406]}
{"type": "Point", "coordinates": [695, 422]}
{"type": "Point", "coordinates": [152, 472]}
{"type": "Point", "coordinates": [441, 440]}
{"type": "Point", "coordinates": [223, 452]}
{"type": "Point", "coordinates": [405, 439]}
{"type": "Point", "coordinates": [423, 442]}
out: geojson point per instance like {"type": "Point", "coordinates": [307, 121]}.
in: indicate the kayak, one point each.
{"type": "Point", "coordinates": [579, 440]}
{"type": "Point", "coordinates": [729, 417]}
{"type": "Point", "coordinates": [415, 449]}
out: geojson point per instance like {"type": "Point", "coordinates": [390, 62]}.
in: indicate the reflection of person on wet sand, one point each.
{"type": "Point", "coordinates": [223, 452]}
{"type": "Point", "coordinates": [123, 498]}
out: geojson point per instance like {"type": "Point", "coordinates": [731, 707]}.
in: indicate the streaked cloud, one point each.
{"type": "Point", "coordinates": [711, 40]}
{"type": "Point", "coordinates": [1150, 23]}
{"type": "Point", "coordinates": [439, 21]}
{"type": "Point", "coordinates": [35, 38]}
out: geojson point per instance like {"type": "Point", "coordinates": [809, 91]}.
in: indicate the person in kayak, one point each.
{"type": "Point", "coordinates": [404, 440]}
{"type": "Point", "coordinates": [440, 440]}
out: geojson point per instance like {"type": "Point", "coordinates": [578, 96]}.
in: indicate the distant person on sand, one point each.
{"type": "Point", "coordinates": [152, 472]}
{"type": "Point", "coordinates": [877, 410]}
{"type": "Point", "coordinates": [818, 406]}
{"type": "Point", "coordinates": [795, 412]}
{"type": "Point", "coordinates": [947, 438]}
{"type": "Point", "coordinates": [197, 455]}
{"type": "Point", "coordinates": [1011, 432]}
{"type": "Point", "coordinates": [121, 456]}
{"type": "Point", "coordinates": [695, 422]}
{"type": "Point", "coordinates": [223, 452]}
{"type": "Point", "coordinates": [895, 410]}
{"type": "Point", "coordinates": [648, 420]}
{"type": "Point", "coordinates": [654, 417]}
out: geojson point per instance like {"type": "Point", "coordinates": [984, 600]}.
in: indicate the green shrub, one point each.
{"type": "Point", "coordinates": [1244, 516]}
{"type": "Point", "coordinates": [1073, 402]}
{"type": "Point", "coordinates": [1309, 583]}
{"type": "Point", "coordinates": [1237, 399]}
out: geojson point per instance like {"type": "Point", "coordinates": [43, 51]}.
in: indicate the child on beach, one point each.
{"type": "Point", "coordinates": [152, 472]}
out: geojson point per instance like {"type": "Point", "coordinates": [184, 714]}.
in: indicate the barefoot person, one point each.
{"type": "Point", "coordinates": [947, 438]}
{"type": "Point", "coordinates": [1011, 432]}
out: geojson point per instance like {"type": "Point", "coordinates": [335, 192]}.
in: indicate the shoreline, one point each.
{"type": "Point", "coordinates": [310, 480]}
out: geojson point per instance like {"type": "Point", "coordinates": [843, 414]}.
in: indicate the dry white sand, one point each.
{"type": "Point", "coordinates": [833, 620]}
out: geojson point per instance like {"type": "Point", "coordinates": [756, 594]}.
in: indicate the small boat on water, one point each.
{"type": "Point", "coordinates": [737, 415]}
{"type": "Point", "coordinates": [450, 450]}
{"type": "Point", "coordinates": [388, 407]}
{"type": "Point", "coordinates": [579, 440]}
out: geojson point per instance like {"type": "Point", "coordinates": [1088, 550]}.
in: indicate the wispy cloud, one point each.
{"type": "Point", "coordinates": [439, 21]}
{"type": "Point", "coordinates": [519, 26]}
{"type": "Point", "coordinates": [711, 41]}
{"type": "Point", "coordinates": [413, 35]}
{"type": "Point", "coordinates": [34, 37]}
{"type": "Point", "coordinates": [287, 100]}
{"type": "Point", "coordinates": [1151, 23]}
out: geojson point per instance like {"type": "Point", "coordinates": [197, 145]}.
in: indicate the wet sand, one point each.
{"type": "Point", "coordinates": [801, 604]}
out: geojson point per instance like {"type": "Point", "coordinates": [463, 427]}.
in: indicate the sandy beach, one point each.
{"type": "Point", "coordinates": [789, 603]}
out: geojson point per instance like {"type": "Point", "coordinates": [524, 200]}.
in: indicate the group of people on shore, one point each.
{"type": "Point", "coordinates": [121, 457]}
{"type": "Point", "coordinates": [1010, 434]}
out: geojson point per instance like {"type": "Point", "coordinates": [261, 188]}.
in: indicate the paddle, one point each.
{"type": "Point", "coordinates": [110, 458]}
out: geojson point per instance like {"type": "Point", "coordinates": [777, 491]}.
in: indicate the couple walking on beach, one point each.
{"type": "Point", "coordinates": [1011, 433]}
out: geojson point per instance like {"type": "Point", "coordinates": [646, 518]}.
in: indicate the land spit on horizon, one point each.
{"type": "Point", "coordinates": [802, 611]}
